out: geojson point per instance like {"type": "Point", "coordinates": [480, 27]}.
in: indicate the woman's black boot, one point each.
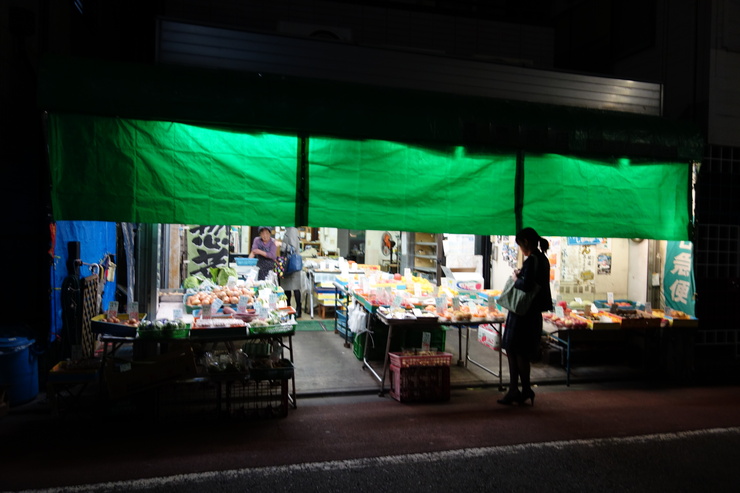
{"type": "Point", "coordinates": [512, 396]}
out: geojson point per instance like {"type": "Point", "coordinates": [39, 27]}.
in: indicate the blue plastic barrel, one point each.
{"type": "Point", "coordinates": [19, 369]}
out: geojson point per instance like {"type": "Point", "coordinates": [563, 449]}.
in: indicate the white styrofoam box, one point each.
{"type": "Point", "coordinates": [489, 337]}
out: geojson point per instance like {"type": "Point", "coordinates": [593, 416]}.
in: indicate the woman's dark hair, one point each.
{"type": "Point", "coordinates": [533, 239]}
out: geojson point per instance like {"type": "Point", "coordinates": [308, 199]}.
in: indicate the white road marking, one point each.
{"type": "Point", "coordinates": [353, 464]}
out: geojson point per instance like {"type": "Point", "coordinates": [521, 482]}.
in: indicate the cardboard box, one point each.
{"type": "Point", "coordinates": [123, 378]}
{"type": "Point", "coordinates": [489, 337]}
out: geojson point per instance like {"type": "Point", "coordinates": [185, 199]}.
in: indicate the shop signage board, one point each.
{"type": "Point", "coordinates": [678, 285]}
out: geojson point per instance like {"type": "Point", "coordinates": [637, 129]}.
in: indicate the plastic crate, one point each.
{"type": "Point", "coordinates": [281, 329]}
{"type": "Point", "coordinates": [189, 400]}
{"type": "Point", "coordinates": [377, 342]}
{"type": "Point", "coordinates": [420, 383]}
{"type": "Point", "coordinates": [604, 304]}
{"type": "Point", "coordinates": [98, 325]}
{"type": "Point", "coordinates": [245, 261]}
{"type": "Point", "coordinates": [256, 398]}
{"type": "Point", "coordinates": [284, 372]}
{"type": "Point", "coordinates": [408, 360]}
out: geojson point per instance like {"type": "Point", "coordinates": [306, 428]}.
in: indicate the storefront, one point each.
{"type": "Point", "coordinates": [197, 146]}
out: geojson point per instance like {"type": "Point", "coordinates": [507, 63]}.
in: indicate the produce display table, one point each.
{"type": "Point", "coordinates": [66, 384]}
{"type": "Point", "coordinates": [422, 324]}
{"type": "Point", "coordinates": [214, 338]}
{"type": "Point", "coordinates": [568, 338]}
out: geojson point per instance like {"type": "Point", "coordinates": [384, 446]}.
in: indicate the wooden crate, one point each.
{"type": "Point", "coordinates": [326, 311]}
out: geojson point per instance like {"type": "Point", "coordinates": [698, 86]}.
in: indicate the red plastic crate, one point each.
{"type": "Point", "coordinates": [420, 383]}
{"type": "Point", "coordinates": [401, 360]}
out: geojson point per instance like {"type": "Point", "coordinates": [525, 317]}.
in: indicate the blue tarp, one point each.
{"type": "Point", "coordinates": [97, 240]}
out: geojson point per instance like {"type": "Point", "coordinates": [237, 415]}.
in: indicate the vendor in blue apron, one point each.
{"type": "Point", "coordinates": [264, 249]}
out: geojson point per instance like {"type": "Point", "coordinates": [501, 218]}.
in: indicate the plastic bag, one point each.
{"type": "Point", "coordinates": [356, 319]}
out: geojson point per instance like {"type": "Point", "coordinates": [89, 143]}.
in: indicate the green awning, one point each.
{"type": "Point", "coordinates": [115, 169]}
{"type": "Point", "coordinates": [388, 185]}
{"type": "Point", "coordinates": [613, 198]}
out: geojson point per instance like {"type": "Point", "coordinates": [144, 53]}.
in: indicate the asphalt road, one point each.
{"type": "Point", "coordinates": [593, 438]}
{"type": "Point", "coordinates": [688, 461]}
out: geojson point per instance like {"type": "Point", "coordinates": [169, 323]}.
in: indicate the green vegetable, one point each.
{"type": "Point", "coordinates": [193, 282]}
{"type": "Point", "coordinates": [220, 275]}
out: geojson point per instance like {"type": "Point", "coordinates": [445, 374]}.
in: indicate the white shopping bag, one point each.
{"type": "Point", "coordinates": [356, 318]}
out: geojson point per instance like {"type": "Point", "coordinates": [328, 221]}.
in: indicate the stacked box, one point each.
{"type": "Point", "coordinates": [420, 377]}
{"type": "Point", "coordinates": [342, 327]}
{"type": "Point", "coordinates": [420, 383]}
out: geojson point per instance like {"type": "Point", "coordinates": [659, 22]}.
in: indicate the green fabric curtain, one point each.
{"type": "Point", "coordinates": [369, 184]}
{"type": "Point", "coordinates": [113, 169]}
{"type": "Point", "coordinates": [568, 196]}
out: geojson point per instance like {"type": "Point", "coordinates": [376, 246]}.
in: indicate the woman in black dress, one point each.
{"type": "Point", "coordinates": [522, 333]}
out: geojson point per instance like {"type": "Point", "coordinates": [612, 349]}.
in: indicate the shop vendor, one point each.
{"type": "Point", "coordinates": [264, 249]}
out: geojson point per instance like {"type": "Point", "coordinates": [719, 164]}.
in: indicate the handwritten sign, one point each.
{"type": "Point", "coordinates": [112, 309]}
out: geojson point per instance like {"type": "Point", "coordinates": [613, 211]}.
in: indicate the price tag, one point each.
{"type": "Point", "coordinates": [205, 311]}
{"type": "Point", "coordinates": [112, 309]}
{"type": "Point", "coordinates": [262, 311]}
{"type": "Point", "coordinates": [216, 305]}
{"type": "Point", "coordinates": [610, 298]}
{"type": "Point", "coordinates": [231, 284]}
{"type": "Point", "coordinates": [579, 301]}
{"type": "Point", "coordinates": [649, 308]}
{"type": "Point", "coordinates": [426, 339]}
{"type": "Point", "coordinates": [559, 311]}
{"type": "Point", "coordinates": [417, 290]}
{"type": "Point", "coordinates": [396, 303]}
{"type": "Point", "coordinates": [241, 307]}
{"type": "Point", "coordinates": [133, 310]}
{"type": "Point", "coordinates": [177, 313]}
{"type": "Point", "coordinates": [272, 301]}
{"type": "Point", "coordinates": [455, 303]}
{"type": "Point", "coordinates": [491, 303]}
{"type": "Point", "coordinates": [441, 303]}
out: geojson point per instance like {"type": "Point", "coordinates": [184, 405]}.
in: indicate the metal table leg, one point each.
{"type": "Point", "coordinates": [460, 360]}
{"type": "Point", "coordinates": [499, 375]}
